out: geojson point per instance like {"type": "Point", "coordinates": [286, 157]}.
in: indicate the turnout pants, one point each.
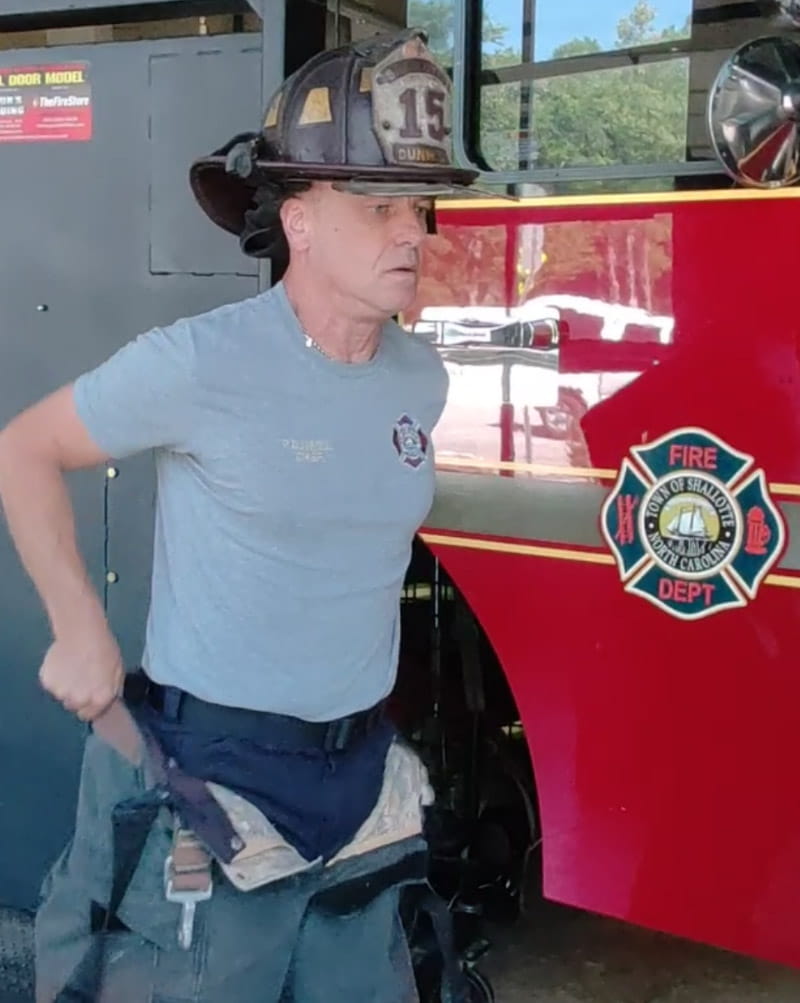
{"type": "Point", "coordinates": [327, 935]}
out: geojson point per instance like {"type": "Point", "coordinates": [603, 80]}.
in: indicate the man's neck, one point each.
{"type": "Point", "coordinates": [331, 322]}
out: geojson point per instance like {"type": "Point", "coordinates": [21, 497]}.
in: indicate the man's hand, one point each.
{"type": "Point", "coordinates": [83, 668]}
{"type": "Point", "coordinates": [84, 675]}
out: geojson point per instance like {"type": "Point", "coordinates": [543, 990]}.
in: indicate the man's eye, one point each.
{"type": "Point", "coordinates": [382, 208]}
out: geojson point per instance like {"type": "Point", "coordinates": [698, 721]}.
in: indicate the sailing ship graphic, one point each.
{"type": "Point", "coordinates": [688, 524]}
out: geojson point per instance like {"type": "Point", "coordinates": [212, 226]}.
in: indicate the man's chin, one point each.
{"type": "Point", "coordinates": [400, 294]}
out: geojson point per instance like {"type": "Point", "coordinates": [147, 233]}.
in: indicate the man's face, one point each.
{"type": "Point", "coordinates": [365, 248]}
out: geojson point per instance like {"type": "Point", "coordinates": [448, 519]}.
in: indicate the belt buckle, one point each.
{"type": "Point", "coordinates": [187, 881]}
{"type": "Point", "coordinates": [337, 735]}
{"type": "Point", "coordinates": [187, 899]}
{"type": "Point", "coordinates": [341, 733]}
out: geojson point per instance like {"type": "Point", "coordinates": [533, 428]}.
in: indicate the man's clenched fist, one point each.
{"type": "Point", "coordinates": [85, 674]}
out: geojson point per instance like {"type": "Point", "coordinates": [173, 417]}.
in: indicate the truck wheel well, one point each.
{"type": "Point", "coordinates": [452, 702]}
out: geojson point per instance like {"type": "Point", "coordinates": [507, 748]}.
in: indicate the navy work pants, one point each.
{"type": "Point", "coordinates": [301, 940]}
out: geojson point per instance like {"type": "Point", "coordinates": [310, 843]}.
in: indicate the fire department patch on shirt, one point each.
{"type": "Point", "coordinates": [692, 527]}
{"type": "Point", "coordinates": [410, 441]}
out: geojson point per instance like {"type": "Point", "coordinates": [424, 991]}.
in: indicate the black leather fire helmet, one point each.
{"type": "Point", "coordinates": [371, 117]}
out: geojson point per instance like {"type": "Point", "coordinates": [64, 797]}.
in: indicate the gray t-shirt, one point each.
{"type": "Point", "coordinates": [290, 487]}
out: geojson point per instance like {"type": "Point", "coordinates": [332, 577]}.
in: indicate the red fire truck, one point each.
{"type": "Point", "coordinates": [629, 570]}
{"type": "Point", "coordinates": [599, 620]}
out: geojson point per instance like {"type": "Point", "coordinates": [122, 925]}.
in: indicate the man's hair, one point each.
{"type": "Point", "coordinates": [263, 236]}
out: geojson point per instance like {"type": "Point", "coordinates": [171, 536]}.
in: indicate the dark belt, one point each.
{"type": "Point", "coordinates": [277, 730]}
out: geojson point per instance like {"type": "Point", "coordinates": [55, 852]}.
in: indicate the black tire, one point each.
{"type": "Point", "coordinates": [480, 987]}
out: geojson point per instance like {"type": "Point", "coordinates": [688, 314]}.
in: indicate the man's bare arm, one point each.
{"type": "Point", "coordinates": [83, 668]}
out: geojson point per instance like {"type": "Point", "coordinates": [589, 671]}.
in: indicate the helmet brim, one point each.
{"type": "Point", "coordinates": [226, 197]}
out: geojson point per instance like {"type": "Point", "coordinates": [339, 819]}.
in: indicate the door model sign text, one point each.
{"type": "Point", "coordinates": [45, 103]}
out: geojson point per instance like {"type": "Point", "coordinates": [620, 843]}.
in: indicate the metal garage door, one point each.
{"type": "Point", "coordinates": [101, 239]}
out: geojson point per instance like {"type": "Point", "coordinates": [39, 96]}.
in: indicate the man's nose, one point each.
{"type": "Point", "coordinates": [412, 226]}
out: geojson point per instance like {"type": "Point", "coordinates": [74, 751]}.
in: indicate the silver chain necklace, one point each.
{"type": "Point", "coordinates": [310, 343]}
{"type": "Point", "coordinates": [315, 346]}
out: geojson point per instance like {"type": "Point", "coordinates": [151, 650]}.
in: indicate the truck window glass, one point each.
{"type": "Point", "coordinates": [437, 18]}
{"type": "Point", "coordinates": [569, 84]}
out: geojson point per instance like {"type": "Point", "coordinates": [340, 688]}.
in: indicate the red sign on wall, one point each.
{"type": "Point", "coordinates": [45, 103]}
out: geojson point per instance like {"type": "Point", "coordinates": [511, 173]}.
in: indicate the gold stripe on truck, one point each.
{"type": "Point", "coordinates": [547, 515]}
{"type": "Point", "coordinates": [556, 553]}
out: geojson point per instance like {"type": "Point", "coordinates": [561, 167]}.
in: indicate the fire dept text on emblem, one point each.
{"type": "Point", "coordinates": [692, 527]}
{"type": "Point", "coordinates": [410, 441]}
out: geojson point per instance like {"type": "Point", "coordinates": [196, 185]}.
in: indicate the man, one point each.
{"type": "Point", "coordinates": [292, 438]}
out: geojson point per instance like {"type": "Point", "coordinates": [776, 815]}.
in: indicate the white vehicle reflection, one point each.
{"type": "Point", "coordinates": [500, 367]}
{"type": "Point", "coordinates": [532, 371]}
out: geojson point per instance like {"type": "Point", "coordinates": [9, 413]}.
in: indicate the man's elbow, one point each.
{"type": "Point", "coordinates": [9, 459]}
{"type": "Point", "coordinates": [7, 442]}
{"type": "Point", "coordinates": [49, 433]}
{"type": "Point", "coordinates": [24, 441]}
{"type": "Point", "coordinates": [12, 449]}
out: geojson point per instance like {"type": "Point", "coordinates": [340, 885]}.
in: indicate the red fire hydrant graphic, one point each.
{"type": "Point", "coordinates": [758, 532]}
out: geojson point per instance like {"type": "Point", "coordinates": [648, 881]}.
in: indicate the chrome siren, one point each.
{"type": "Point", "coordinates": [754, 110]}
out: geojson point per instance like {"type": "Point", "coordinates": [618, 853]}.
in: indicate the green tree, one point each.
{"type": "Point", "coordinates": [626, 114]}
{"type": "Point", "coordinates": [620, 115]}
{"type": "Point", "coordinates": [637, 27]}
{"type": "Point", "coordinates": [498, 105]}
{"type": "Point", "coordinates": [437, 18]}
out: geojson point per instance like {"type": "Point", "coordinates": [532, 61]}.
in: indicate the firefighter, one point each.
{"type": "Point", "coordinates": [259, 850]}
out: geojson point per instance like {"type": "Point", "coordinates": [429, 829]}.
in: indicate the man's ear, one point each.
{"type": "Point", "coordinates": [296, 221]}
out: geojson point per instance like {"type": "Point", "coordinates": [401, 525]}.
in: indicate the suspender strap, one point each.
{"type": "Point", "coordinates": [132, 821]}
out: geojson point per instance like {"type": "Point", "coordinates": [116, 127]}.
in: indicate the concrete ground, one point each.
{"type": "Point", "coordinates": [566, 956]}
{"type": "Point", "coordinates": [16, 952]}
{"type": "Point", "coordinates": [561, 956]}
